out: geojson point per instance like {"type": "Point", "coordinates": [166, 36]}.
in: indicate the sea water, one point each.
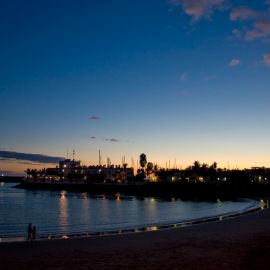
{"type": "Point", "coordinates": [65, 213]}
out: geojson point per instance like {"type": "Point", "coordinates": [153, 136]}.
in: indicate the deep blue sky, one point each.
{"type": "Point", "coordinates": [181, 79]}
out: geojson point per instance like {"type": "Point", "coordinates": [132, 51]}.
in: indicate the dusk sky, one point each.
{"type": "Point", "coordinates": [177, 80]}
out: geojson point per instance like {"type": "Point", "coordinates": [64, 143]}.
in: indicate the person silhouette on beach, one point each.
{"type": "Point", "coordinates": [29, 232]}
{"type": "Point", "coordinates": [34, 233]}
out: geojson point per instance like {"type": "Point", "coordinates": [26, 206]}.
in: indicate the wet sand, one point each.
{"type": "Point", "coordinates": [237, 243]}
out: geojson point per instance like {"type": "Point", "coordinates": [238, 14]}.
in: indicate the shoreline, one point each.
{"type": "Point", "coordinates": [140, 229]}
{"type": "Point", "coordinates": [235, 243]}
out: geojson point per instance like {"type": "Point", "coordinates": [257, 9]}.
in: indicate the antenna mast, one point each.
{"type": "Point", "coordinates": [99, 158]}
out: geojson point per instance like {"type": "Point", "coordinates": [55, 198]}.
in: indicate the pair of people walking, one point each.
{"type": "Point", "coordinates": [31, 232]}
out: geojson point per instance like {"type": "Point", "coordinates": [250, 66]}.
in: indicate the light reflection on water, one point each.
{"type": "Point", "coordinates": [63, 209]}
{"type": "Point", "coordinates": [61, 212]}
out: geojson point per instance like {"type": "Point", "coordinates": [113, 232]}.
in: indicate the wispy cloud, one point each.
{"type": "Point", "coordinates": [112, 140]}
{"type": "Point", "coordinates": [23, 162]}
{"type": "Point", "coordinates": [6, 148]}
{"type": "Point", "coordinates": [258, 22]}
{"type": "Point", "coordinates": [234, 62]}
{"type": "Point", "coordinates": [243, 13]}
{"type": "Point", "coordinates": [9, 155]}
{"type": "Point", "coordinates": [199, 9]}
{"type": "Point", "coordinates": [266, 59]}
{"type": "Point", "coordinates": [94, 117]}
{"type": "Point", "coordinates": [183, 76]}
{"type": "Point", "coordinates": [237, 34]}
{"type": "Point", "coordinates": [260, 29]}
{"type": "Point", "coordinates": [184, 93]}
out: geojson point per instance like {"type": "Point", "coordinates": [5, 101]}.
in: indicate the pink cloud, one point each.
{"type": "Point", "coordinates": [260, 29]}
{"type": "Point", "coordinates": [266, 59]}
{"type": "Point", "coordinates": [243, 13]}
{"type": "Point", "coordinates": [199, 9]}
{"type": "Point", "coordinates": [260, 23]}
{"type": "Point", "coordinates": [234, 62]}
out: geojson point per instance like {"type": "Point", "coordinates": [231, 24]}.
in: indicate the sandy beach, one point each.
{"type": "Point", "coordinates": [237, 243]}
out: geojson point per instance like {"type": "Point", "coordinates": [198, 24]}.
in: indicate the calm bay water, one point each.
{"type": "Point", "coordinates": [61, 212]}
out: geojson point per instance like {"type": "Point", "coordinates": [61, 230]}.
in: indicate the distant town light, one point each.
{"type": "Point", "coordinates": [152, 228]}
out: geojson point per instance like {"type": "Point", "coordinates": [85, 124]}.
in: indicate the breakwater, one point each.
{"type": "Point", "coordinates": [185, 191]}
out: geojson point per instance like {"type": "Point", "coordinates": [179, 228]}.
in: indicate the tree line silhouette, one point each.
{"type": "Point", "coordinates": [199, 181]}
